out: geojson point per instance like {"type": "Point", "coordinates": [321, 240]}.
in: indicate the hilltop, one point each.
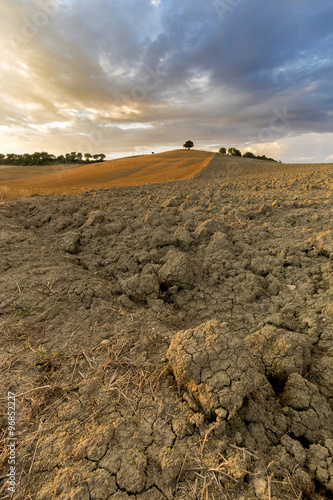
{"type": "Point", "coordinates": [173, 340]}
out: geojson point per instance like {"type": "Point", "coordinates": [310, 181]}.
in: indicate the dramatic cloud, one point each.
{"type": "Point", "coordinates": [117, 76]}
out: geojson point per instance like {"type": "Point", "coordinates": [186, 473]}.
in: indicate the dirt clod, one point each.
{"type": "Point", "coordinates": [279, 352]}
{"type": "Point", "coordinates": [214, 367]}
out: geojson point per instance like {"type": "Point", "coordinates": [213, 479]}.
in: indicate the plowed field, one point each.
{"type": "Point", "coordinates": [170, 341]}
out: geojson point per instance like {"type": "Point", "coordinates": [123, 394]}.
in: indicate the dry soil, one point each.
{"type": "Point", "coordinates": [172, 340]}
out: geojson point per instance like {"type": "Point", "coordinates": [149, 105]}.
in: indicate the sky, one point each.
{"type": "Point", "coordinates": [125, 77]}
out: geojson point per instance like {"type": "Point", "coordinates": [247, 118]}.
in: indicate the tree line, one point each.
{"type": "Point", "coordinates": [231, 151]}
{"type": "Point", "coordinates": [45, 158]}
{"type": "Point", "coordinates": [236, 152]}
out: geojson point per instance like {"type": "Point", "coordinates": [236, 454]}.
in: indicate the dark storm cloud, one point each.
{"type": "Point", "coordinates": [238, 70]}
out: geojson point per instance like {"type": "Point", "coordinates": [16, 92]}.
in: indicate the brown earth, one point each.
{"type": "Point", "coordinates": [132, 171]}
{"type": "Point", "coordinates": [172, 341]}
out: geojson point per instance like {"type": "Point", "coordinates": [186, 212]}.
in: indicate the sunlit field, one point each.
{"type": "Point", "coordinates": [130, 171]}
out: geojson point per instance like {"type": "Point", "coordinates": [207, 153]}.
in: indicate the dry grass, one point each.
{"type": "Point", "coordinates": [7, 194]}
{"type": "Point", "coordinates": [125, 373]}
{"type": "Point", "coordinates": [131, 171]}
{"type": "Point", "coordinates": [215, 477]}
{"type": "Point", "coordinates": [211, 475]}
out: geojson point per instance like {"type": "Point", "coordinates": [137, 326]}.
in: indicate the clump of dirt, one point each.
{"type": "Point", "coordinates": [215, 368]}
{"type": "Point", "coordinates": [172, 341]}
{"type": "Point", "coordinates": [279, 352]}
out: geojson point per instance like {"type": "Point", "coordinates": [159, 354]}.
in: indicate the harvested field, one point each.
{"type": "Point", "coordinates": [131, 171]}
{"type": "Point", "coordinates": [13, 173]}
{"type": "Point", "coordinates": [172, 341]}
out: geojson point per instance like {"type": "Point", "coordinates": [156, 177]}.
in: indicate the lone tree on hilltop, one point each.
{"type": "Point", "coordinates": [223, 151]}
{"type": "Point", "coordinates": [188, 145]}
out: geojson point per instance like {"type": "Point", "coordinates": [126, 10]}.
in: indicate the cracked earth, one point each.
{"type": "Point", "coordinates": [173, 340]}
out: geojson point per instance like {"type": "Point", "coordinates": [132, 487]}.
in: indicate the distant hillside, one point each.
{"type": "Point", "coordinates": [130, 171]}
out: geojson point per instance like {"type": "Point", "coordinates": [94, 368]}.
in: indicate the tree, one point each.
{"type": "Point", "coordinates": [87, 157]}
{"type": "Point", "coordinates": [262, 157]}
{"type": "Point", "coordinates": [10, 159]}
{"type": "Point", "coordinates": [101, 156]}
{"type": "Point", "coordinates": [72, 157]}
{"type": "Point", "coordinates": [44, 157]}
{"type": "Point", "coordinates": [17, 159]}
{"type": "Point", "coordinates": [188, 145]}
{"type": "Point", "coordinates": [35, 158]}
{"type": "Point", "coordinates": [248, 154]}
{"type": "Point", "coordinates": [223, 151]}
{"type": "Point", "coordinates": [234, 152]}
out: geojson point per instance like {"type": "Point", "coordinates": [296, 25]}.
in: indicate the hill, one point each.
{"type": "Point", "coordinates": [162, 167]}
